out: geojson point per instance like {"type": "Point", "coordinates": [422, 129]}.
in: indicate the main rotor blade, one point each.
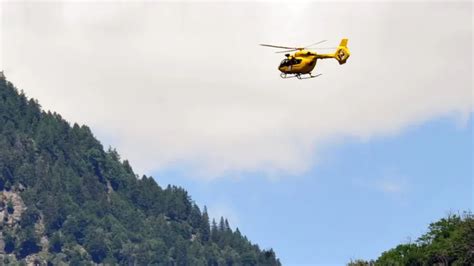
{"type": "Point", "coordinates": [292, 50]}
{"type": "Point", "coordinates": [317, 48]}
{"type": "Point", "coordinates": [276, 46]}
{"type": "Point", "coordinates": [287, 51]}
{"type": "Point", "coordinates": [315, 43]}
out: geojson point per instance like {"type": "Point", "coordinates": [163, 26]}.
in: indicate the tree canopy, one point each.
{"type": "Point", "coordinates": [449, 241]}
{"type": "Point", "coordinates": [85, 204]}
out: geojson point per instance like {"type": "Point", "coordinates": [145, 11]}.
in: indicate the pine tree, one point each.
{"type": "Point", "coordinates": [227, 226]}
{"type": "Point", "coordinates": [222, 227]}
{"type": "Point", "coordinates": [214, 231]}
{"type": "Point", "coordinates": [205, 228]}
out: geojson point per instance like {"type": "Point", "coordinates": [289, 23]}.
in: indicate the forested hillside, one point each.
{"type": "Point", "coordinates": [449, 241]}
{"type": "Point", "coordinates": [63, 198]}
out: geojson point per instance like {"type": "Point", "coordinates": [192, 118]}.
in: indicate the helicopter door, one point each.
{"type": "Point", "coordinates": [293, 62]}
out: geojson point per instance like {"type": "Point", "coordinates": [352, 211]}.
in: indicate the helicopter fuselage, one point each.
{"type": "Point", "coordinates": [301, 62]}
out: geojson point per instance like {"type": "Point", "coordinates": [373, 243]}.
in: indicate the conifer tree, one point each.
{"type": "Point", "coordinates": [222, 225]}
{"type": "Point", "coordinates": [214, 231]}
{"type": "Point", "coordinates": [205, 228]}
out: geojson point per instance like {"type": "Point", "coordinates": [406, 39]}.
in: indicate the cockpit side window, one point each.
{"type": "Point", "coordinates": [295, 61]}
{"type": "Point", "coordinates": [290, 62]}
{"type": "Point", "coordinates": [285, 62]}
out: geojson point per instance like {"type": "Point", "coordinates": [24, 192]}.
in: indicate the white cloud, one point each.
{"type": "Point", "coordinates": [391, 186]}
{"type": "Point", "coordinates": [186, 83]}
{"type": "Point", "coordinates": [387, 181]}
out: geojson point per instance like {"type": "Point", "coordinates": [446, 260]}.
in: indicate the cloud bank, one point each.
{"type": "Point", "coordinates": [185, 84]}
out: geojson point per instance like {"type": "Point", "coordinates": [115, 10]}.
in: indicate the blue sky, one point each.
{"type": "Point", "coordinates": [362, 198]}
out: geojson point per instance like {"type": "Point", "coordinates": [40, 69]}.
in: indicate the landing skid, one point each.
{"type": "Point", "coordinates": [299, 76]}
{"type": "Point", "coordinates": [308, 77]}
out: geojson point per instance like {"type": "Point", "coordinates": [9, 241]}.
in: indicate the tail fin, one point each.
{"type": "Point", "coordinates": [342, 52]}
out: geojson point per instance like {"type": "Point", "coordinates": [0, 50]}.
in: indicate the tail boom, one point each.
{"type": "Point", "coordinates": [341, 55]}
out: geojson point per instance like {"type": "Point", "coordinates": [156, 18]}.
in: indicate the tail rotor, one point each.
{"type": "Point", "coordinates": [342, 53]}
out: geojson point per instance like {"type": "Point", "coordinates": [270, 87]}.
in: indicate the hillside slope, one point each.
{"type": "Point", "coordinates": [63, 198]}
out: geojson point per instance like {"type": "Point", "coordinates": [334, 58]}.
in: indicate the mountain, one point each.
{"type": "Point", "coordinates": [449, 241]}
{"type": "Point", "coordinates": [64, 199]}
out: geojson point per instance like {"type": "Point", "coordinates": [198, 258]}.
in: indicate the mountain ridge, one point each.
{"type": "Point", "coordinates": [85, 205]}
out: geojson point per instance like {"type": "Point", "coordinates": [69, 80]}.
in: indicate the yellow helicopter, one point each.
{"type": "Point", "coordinates": [303, 61]}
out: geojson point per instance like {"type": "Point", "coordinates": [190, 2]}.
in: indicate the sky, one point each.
{"type": "Point", "coordinates": [323, 170]}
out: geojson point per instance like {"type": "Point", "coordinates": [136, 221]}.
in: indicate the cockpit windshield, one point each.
{"type": "Point", "coordinates": [284, 62]}
{"type": "Point", "coordinates": [290, 62]}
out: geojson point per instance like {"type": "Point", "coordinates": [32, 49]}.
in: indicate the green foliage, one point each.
{"type": "Point", "coordinates": [10, 241]}
{"type": "Point", "coordinates": [29, 217]}
{"type": "Point", "coordinates": [449, 241]}
{"type": "Point", "coordinates": [29, 243]}
{"type": "Point", "coordinates": [93, 207]}
{"type": "Point", "coordinates": [96, 244]}
{"type": "Point", "coordinates": [361, 263]}
{"type": "Point", "coordinates": [10, 208]}
{"type": "Point", "coordinates": [406, 254]}
{"type": "Point", "coordinates": [56, 242]}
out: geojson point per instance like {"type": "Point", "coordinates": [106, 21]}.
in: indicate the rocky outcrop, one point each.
{"type": "Point", "coordinates": [11, 208]}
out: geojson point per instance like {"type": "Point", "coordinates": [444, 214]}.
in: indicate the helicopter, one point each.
{"type": "Point", "coordinates": [302, 62]}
